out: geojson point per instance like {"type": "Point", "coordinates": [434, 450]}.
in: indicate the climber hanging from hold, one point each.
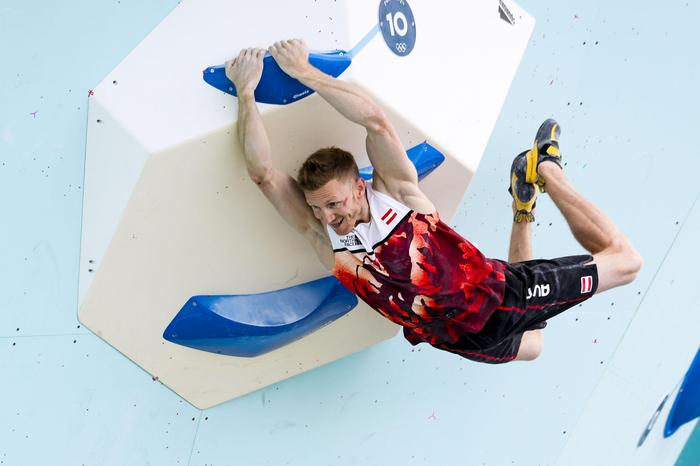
{"type": "Point", "coordinates": [385, 242]}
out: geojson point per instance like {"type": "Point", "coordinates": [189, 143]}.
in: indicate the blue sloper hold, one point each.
{"type": "Point", "coordinates": [277, 87]}
{"type": "Point", "coordinates": [254, 324]}
{"type": "Point", "coordinates": [425, 157]}
{"type": "Point", "coordinates": [686, 406]}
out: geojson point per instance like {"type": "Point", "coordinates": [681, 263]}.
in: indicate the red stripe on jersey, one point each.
{"type": "Point", "coordinates": [391, 219]}
{"type": "Point", "coordinates": [556, 303]}
{"type": "Point", "coordinates": [386, 214]}
{"type": "Point", "coordinates": [511, 309]}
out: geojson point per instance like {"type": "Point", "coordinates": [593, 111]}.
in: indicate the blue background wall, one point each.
{"type": "Point", "coordinates": [619, 76]}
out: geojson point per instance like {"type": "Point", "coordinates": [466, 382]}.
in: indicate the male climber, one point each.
{"type": "Point", "coordinates": [385, 241]}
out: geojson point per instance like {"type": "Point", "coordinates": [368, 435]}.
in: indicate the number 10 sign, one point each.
{"type": "Point", "coordinates": [397, 25]}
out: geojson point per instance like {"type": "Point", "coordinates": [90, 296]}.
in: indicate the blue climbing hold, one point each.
{"type": "Point", "coordinates": [425, 157]}
{"type": "Point", "coordinates": [686, 406]}
{"type": "Point", "coordinates": [253, 324]}
{"type": "Point", "coordinates": [276, 86]}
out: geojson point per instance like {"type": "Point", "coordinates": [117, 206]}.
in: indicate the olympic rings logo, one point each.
{"type": "Point", "coordinates": [401, 47]}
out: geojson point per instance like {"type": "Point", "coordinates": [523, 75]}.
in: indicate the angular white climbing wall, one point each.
{"type": "Point", "coordinates": [169, 211]}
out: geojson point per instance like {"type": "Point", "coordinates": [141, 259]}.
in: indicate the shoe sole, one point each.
{"type": "Point", "coordinates": [533, 154]}
{"type": "Point", "coordinates": [542, 139]}
{"type": "Point", "coordinates": [524, 209]}
{"type": "Point", "coordinates": [531, 170]}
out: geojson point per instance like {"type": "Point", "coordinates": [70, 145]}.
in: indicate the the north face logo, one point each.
{"type": "Point", "coordinates": [538, 291]}
{"type": "Point", "coordinates": [349, 241]}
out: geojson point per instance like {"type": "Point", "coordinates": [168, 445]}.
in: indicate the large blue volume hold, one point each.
{"type": "Point", "coordinates": [276, 86]}
{"type": "Point", "coordinates": [254, 324]}
{"type": "Point", "coordinates": [686, 406]}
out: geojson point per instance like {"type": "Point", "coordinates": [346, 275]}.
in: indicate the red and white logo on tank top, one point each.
{"type": "Point", "coordinates": [389, 216]}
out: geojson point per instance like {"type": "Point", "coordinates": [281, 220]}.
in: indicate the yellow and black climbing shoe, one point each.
{"type": "Point", "coordinates": [545, 148]}
{"type": "Point", "coordinates": [523, 192]}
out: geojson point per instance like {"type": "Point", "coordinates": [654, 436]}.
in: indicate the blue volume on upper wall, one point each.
{"type": "Point", "coordinates": [253, 324]}
{"type": "Point", "coordinates": [425, 157]}
{"type": "Point", "coordinates": [277, 87]}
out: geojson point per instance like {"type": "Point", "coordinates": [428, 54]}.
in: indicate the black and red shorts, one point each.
{"type": "Point", "coordinates": [536, 291]}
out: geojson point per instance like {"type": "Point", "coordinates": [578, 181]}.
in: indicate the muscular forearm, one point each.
{"type": "Point", "coordinates": [253, 139]}
{"type": "Point", "coordinates": [348, 99]}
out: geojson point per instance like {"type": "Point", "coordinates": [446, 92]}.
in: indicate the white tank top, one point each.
{"type": "Point", "coordinates": [386, 214]}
